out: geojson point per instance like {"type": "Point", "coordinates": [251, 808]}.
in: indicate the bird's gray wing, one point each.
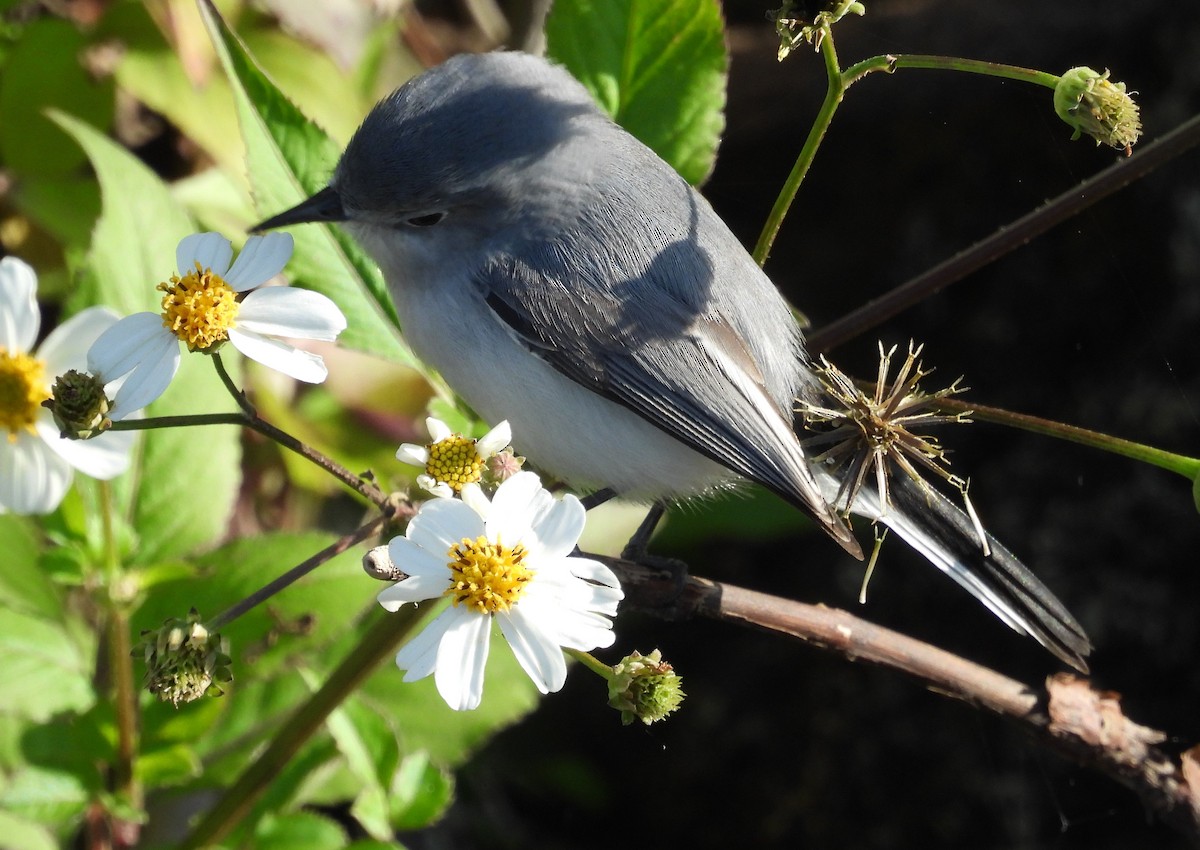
{"type": "Point", "coordinates": [678, 366]}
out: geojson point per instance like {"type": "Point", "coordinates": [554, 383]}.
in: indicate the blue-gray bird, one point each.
{"type": "Point", "coordinates": [560, 275]}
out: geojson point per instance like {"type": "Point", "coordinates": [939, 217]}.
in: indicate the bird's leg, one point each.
{"type": "Point", "coordinates": [635, 550]}
{"type": "Point", "coordinates": [595, 500]}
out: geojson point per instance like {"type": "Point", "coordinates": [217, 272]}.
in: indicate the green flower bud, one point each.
{"type": "Point", "coordinates": [1091, 104]}
{"type": "Point", "coordinates": [79, 405]}
{"type": "Point", "coordinates": [184, 661]}
{"type": "Point", "coordinates": [644, 687]}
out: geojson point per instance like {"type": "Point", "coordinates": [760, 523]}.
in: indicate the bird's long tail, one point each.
{"type": "Point", "coordinates": [939, 530]}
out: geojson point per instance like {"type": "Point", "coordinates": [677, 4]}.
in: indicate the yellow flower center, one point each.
{"type": "Point", "coordinates": [23, 388]}
{"type": "Point", "coordinates": [199, 308]}
{"type": "Point", "coordinates": [454, 461]}
{"type": "Point", "coordinates": [486, 576]}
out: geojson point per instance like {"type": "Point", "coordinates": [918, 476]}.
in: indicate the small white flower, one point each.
{"type": "Point", "coordinates": [451, 460]}
{"type": "Point", "coordinates": [35, 462]}
{"type": "Point", "coordinates": [507, 560]}
{"type": "Point", "coordinates": [208, 303]}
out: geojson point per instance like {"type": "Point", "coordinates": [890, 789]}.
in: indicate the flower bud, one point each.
{"type": "Point", "coordinates": [184, 661]}
{"type": "Point", "coordinates": [503, 465]}
{"type": "Point", "coordinates": [1091, 104]}
{"type": "Point", "coordinates": [79, 405]}
{"type": "Point", "coordinates": [644, 687]}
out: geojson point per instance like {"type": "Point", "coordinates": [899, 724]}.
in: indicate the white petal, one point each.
{"type": "Point", "coordinates": [413, 454]}
{"type": "Point", "coordinates": [211, 250]}
{"type": "Point", "coordinates": [557, 530]}
{"type": "Point", "coordinates": [419, 562]}
{"type": "Point", "coordinates": [442, 523]}
{"type": "Point", "coordinates": [104, 457]}
{"type": "Point", "coordinates": [474, 497]}
{"type": "Point", "coordinates": [280, 356]}
{"type": "Point", "coordinates": [539, 657]}
{"type": "Point", "coordinates": [19, 315]}
{"type": "Point", "coordinates": [438, 430]}
{"type": "Point", "coordinates": [419, 655]}
{"type": "Point", "coordinates": [149, 381]}
{"type": "Point", "coordinates": [494, 440]}
{"type": "Point", "coordinates": [434, 487]}
{"type": "Point", "coordinates": [461, 658]}
{"type": "Point", "coordinates": [66, 347]}
{"type": "Point", "coordinates": [515, 506]}
{"type": "Point", "coordinates": [586, 568]}
{"type": "Point", "coordinates": [288, 312]}
{"type": "Point", "coordinates": [564, 627]}
{"type": "Point", "coordinates": [33, 479]}
{"type": "Point", "coordinates": [128, 343]}
{"type": "Point", "coordinates": [262, 258]}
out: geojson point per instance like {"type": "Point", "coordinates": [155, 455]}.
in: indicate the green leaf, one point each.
{"type": "Point", "coordinates": [299, 831]}
{"type": "Point", "coordinates": [43, 70]}
{"type": "Point", "coordinates": [301, 619]}
{"type": "Point", "coordinates": [46, 796]}
{"type": "Point", "coordinates": [368, 744]}
{"type": "Point", "coordinates": [183, 492]}
{"type": "Point", "coordinates": [657, 66]}
{"type": "Point", "coordinates": [289, 158]}
{"type": "Point", "coordinates": [168, 766]}
{"type": "Point", "coordinates": [421, 792]}
{"type": "Point", "coordinates": [25, 834]}
{"type": "Point", "coordinates": [427, 724]}
{"type": "Point", "coordinates": [43, 670]}
{"type": "Point", "coordinates": [23, 586]}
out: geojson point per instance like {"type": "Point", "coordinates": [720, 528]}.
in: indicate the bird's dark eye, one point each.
{"type": "Point", "coordinates": [426, 220]}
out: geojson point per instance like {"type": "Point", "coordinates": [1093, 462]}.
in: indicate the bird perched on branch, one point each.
{"type": "Point", "coordinates": [560, 275]}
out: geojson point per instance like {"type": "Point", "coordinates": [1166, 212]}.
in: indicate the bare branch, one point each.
{"type": "Point", "coordinates": [1067, 714]}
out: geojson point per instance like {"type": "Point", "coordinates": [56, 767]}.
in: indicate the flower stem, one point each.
{"type": "Point", "coordinates": [833, 98]}
{"type": "Point", "coordinates": [1188, 467]}
{"type": "Point", "coordinates": [377, 643]}
{"type": "Point", "coordinates": [297, 572]}
{"type": "Point", "coordinates": [592, 663]}
{"type": "Point", "coordinates": [249, 418]}
{"type": "Point", "coordinates": [894, 62]}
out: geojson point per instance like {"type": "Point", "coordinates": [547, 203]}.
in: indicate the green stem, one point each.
{"type": "Point", "coordinates": [592, 663]}
{"type": "Point", "coordinates": [120, 664]}
{"type": "Point", "coordinates": [1188, 467]}
{"type": "Point", "coordinates": [300, 570]}
{"type": "Point", "coordinates": [377, 644]}
{"type": "Point", "coordinates": [833, 98]}
{"type": "Point", "coordinates": [891, 63]}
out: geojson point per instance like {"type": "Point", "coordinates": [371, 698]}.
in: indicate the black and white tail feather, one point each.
{"type": "Point", "coordinates": [949, 539]}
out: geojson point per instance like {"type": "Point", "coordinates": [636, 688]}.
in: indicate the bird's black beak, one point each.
{"type": "Point", "coordinates": [326, 205]}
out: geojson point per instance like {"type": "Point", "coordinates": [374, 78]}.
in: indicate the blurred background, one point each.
{"type": "Point", "coordinates": [1097, 323]}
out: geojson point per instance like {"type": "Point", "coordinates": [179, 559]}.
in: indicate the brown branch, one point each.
{"type": "Point", "coordinates": [1067, 715]}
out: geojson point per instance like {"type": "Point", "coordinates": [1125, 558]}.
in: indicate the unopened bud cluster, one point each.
{"type": "Point", "coordinates": [645, 688]}
{"type": "Point", "coordinates": [184, 660]}
{"type": "Point", "coordinates": [1091, 104]}
{"type": "Point", "coordinates": [79, 405]}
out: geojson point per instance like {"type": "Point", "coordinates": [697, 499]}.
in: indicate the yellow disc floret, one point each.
{"type": "Point", "coordinates": [454, 461]}
{"type": "Point", "coordinates": [23, 388]}
{"type": "Point", "coordinates": [199, 308]}
{"type": "Point", "coordinates": [485, 576]}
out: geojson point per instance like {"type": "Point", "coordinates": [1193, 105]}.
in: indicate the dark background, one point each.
{"type": "Point", "coordinates": [1097, 324]}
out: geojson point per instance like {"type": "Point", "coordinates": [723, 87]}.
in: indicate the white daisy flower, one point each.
{"type": "Point", "coordinates": [35, 462]}
{"type": "Point", "coordinates": [506, 560]}
{"type": "Point", "coordinates": [210, 302]}
{"type": "Point", "coordinates": [451, 460]}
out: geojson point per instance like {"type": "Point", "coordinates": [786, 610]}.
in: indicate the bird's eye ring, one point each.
{"type": "Point", "coordinates": [426, 220]}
